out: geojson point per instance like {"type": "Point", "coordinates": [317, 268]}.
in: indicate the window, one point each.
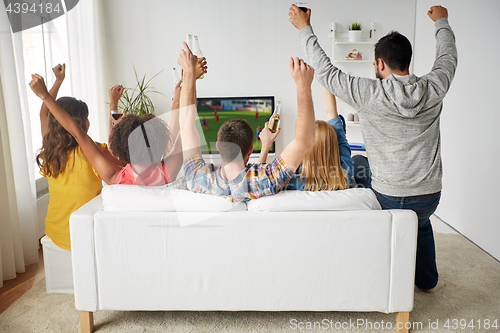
{"type": "Point", "coordinates": [44, 47]}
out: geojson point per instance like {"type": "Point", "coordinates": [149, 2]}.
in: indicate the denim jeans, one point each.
{"type": "Point", "coordinates": [361, 171]}
{"type": "Point", "coordinates": [426, 274]}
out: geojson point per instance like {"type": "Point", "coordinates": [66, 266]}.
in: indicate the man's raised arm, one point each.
{"type": "Point", "coordinates": [445, 65]}
{"type": "Point", "coordinates": [342, 85]}
{"type": "Point", "coordinates": [296, 150]}
{"type": "Point", "coordinates": [187, 116]}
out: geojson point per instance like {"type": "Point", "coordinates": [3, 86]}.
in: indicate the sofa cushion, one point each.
{"type": "Point", "coordinates": [163, 199]}
{"type": "Point", "coordinates": [350, 199]}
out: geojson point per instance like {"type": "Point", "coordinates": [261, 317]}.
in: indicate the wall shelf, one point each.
{"type": "Point", "coordinates": [352, 123]}
{"type": "Point", "coordinates": [341, 46]}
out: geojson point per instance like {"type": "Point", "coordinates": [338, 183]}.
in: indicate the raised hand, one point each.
{"type": "Point", "coordinates": [187, 61]}
{"type": "Point", "coordinates": [201, 67]}
{"type": "Point", "coordinates": [115, 93]}
{"type": "Point", "coordinates": [437, 12]}
{"type": "Point", "coordinates": [299, 18]}
{"type": "Point", "coordinates": [38, 86]}
{"type": "Point", "coordinates": [60, 72]}
{"type": "Point", "coordinates": [302, 73]}
{"type": "Point", "coordinates": [267, 137]}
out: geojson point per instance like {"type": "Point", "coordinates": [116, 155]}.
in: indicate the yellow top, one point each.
{"type": "Point", "coordinates": [74, 187]}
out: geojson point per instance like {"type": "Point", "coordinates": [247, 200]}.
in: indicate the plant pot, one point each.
{"type": "Point", "coordinates": [354, 35]}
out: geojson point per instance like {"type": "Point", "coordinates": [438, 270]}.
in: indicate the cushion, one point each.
{"type": "Point", "coordinates": [163, 199]}
{"type": "Point", "coordinates": [350, 199]}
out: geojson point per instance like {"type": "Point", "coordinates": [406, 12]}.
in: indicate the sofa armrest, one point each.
{"type": "Point", "coordinates": [403, 254]}
{"type": "Point", "coordinates": [81, 224]}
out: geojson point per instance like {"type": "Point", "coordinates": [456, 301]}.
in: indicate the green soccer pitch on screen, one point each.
{"type": "Point", "coordinates": [214, 111]}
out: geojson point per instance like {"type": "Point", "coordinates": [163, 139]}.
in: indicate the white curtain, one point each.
{"type": "Point", "coordinates": [18, 241]}
{"type": "Point", "coordinates": [85, 54]}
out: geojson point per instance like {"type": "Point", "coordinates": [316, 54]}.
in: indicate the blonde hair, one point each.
{"type": "Point", "coordinates": [321, 167]}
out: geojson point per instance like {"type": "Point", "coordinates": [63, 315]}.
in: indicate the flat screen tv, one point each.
{"type": "Point", "coordinates": [214, 111]}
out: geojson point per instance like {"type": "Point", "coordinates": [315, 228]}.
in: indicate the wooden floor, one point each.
{"type": "Point", "coordinates": [15, 288]}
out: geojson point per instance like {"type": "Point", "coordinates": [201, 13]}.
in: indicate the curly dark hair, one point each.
{"type": "Point", "coordinates": [57, 143]}
{"type": "Point", "coordinates": [235, 136]}
{"type": "Point", "coordinates": [131, 135]}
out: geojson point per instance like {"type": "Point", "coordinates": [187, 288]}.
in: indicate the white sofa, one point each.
{"type": "Point", "coordinates": [136, 248]}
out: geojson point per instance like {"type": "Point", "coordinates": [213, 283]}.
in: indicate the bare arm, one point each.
{"type": "Point", "coordinates": [304, 129]}
{"type": "Point", "coordinates": [113, 159]}
{"type": "Point", "coordinates": [330, 104]}
{"type": "Point", "coordinates": [104, 168]}
{"type": "Point", "coordinates": [60, 73]}
{"type": "Point", "coordinates": [114, 93]}
{"type": "Point", "coordinates": [187, 117]}
{"type": "Point", "coordinates": [173, 122]}
{"type": "Point", "coordinates": [267, 138]}
{"type": "Point", "coordinates": [173, 161]}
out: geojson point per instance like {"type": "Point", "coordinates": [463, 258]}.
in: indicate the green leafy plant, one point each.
{"type": "Point", "coordinates": [354, 26]}
{"type": "Point", "coordinates": [136, 100]}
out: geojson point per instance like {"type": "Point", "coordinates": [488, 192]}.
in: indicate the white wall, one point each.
{"type": "Point", "coordinates": [470, 118]}
{"type": "Point", "coordinates": [248, 45]}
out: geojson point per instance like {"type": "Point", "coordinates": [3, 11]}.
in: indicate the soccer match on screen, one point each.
{"type": "Point", "coordinates": [213, 112]}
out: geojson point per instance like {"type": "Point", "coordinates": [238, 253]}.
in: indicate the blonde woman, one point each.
{"type": "Point", "coordinates": [327, 165]}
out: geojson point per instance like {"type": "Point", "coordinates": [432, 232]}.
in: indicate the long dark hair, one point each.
{"type": "Point", "coordinates": [57, 143]}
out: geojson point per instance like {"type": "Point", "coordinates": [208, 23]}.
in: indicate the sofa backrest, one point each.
{"type": "Point", "coordinates": [351, 199]}
{"type": "Point", "coordinates": [163, 199]}
{"type": "Point", "coordinates": [168, 199]}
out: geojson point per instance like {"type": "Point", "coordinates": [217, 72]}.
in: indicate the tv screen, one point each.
{"type": "Point", "coordinates": [214, 111]}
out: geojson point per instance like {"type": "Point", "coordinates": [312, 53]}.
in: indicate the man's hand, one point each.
{"type": "Point", "coordinates": [188, 61]}
{"type": "Point", "coordinates": [267, 137]}
{"type": "Point", "coordinates": [299, 18]}
{"type": "Point", "coordinates": [60, 72]}
{"type": "Point", "coordinates": [302, 73]}
{"type": "Point", "coordinates": [201, 67]}
{"type": "Point", "coordinates": [38, 86]}
{"type": "Point", "coordinates": [115, 93]}
{"type": "Point", "coordinates": [437, 12]}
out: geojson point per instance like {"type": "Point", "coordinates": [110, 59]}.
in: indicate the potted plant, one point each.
{"type": "Point", "coordinates": [136, 100]}
{"type": "Point", "coordinates": [354, 32]}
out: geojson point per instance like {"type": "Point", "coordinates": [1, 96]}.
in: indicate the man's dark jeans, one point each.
{"type": "Point", "coordinates": [426, 274]}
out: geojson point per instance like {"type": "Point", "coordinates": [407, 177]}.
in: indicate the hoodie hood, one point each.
{"type": "Point", "coordinates": [407, 93]}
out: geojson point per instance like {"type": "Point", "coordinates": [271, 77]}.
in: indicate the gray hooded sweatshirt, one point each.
{"type": "Point", "coordinates": [399, 115]}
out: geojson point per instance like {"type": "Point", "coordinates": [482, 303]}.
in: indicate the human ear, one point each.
{"type": "Point", "coordinates": [250, 152]}
{"type": "Point", "coordinates": [381, 64]}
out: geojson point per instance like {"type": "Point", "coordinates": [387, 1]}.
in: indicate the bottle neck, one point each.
{"type": "Point", "coordinates": [277, 109]}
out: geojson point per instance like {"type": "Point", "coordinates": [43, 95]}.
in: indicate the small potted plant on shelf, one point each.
{"type": "Point", "coordinates": [355, 32]}
{"type": "Point", "coordinates": [136, 100]}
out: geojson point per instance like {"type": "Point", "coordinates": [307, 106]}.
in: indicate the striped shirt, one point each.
{"type": "Point", "coordinates": [255, 181]}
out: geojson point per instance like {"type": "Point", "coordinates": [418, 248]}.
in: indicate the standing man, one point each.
{"type": "Point", "coordinates": [399, 114]}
